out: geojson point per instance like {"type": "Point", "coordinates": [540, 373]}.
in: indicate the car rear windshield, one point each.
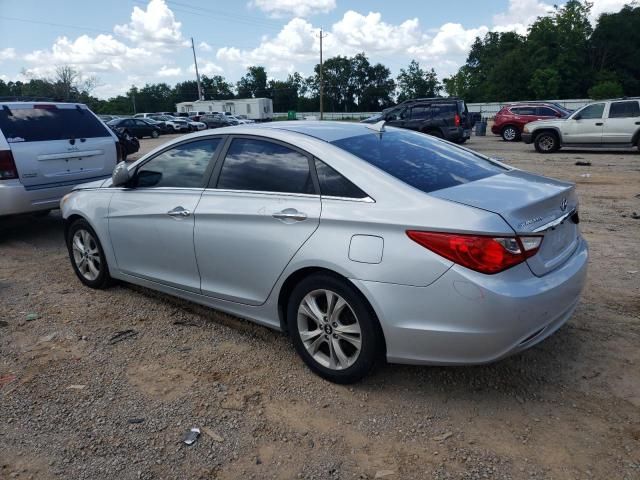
{"type": "Point", "coordinates": [49, 123]}
{"type": "Point", "coordinates": [421, 161]}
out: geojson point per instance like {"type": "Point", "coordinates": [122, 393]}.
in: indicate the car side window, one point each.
{"type": "Point", "coordinates": [182, 166]}
{"type": "Point", "coordinates": [546, 112]}
{"type": "Point", "coordinates": [333, 184]}
{"type": "Point", "coordinates": [259, 165]}
{"type": "Point", "coordinates": [592, 111]}
{"type": "Point", "coordinates": [524, 111]}
{"type": "Point", "coordinates": [628, 109]}
{"type": "Point", "coordinates": [419, 113]}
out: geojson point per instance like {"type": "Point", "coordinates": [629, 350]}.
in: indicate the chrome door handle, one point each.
{"type": "Point", "coordinates": [599, 124]}
{"type": "Point", "coordinates": [290, 214]}
{"type": "Point", "coordinates": [179, 212]}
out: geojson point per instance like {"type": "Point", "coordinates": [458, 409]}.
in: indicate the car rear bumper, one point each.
{"type": "Point", "coordinates": [527, 138]}
{"type": "Point", "coordinates": [16, 199]}
{"type": "Point", "coordinates": [457, 133]}
{"type": "Point", "coordinates": [466, 317]}
{"type": "Point", "coordinates": [495, 129]}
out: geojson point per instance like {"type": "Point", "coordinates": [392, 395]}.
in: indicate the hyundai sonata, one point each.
{"type": "Point", "coordinates": [361, 241]}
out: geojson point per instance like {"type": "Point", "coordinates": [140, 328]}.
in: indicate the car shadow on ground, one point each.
{"type": "Point", "coordinates": [41, 231]}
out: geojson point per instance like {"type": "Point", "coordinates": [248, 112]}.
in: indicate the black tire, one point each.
{"type": "Point", "coordinates": [510, 133]}
{"type": "Point", "coordinates": [546, 142]}
{"type": "Point", "coordinates": [103, 279]}
{"type": "Point", "coordinates": [155, 134]}
{"type": "Point", "coordinates": [371, 337]}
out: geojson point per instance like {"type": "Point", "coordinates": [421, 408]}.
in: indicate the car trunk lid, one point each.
{"type": "Point", "coordinates": [531, 205]}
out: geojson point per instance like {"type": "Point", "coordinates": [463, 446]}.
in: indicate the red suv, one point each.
{"type": "Point", "coordinates": [510, 121]}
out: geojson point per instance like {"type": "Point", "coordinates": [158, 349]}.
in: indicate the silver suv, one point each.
{"type": "Point", "coordinates": [605, 124]}
{"type": "Point", "coordinates": [46, 149]}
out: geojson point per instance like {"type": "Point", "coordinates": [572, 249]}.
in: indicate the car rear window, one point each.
{"type": "Point", "coordinates": [49, 123]}
{"type": "Point", "coordinates": [419, 160]}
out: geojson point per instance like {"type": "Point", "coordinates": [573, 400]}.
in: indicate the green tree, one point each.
{"type": "Point", "coordinates": [253, 84]}
{"type": "Point", "coordinates": [614, 47]}
{"type": "Point", "coordinates": [414, 82]}
{"type": "Point", "coordinates": [545, 84]}
{"type": "Point", "coordinates": [606, 89]}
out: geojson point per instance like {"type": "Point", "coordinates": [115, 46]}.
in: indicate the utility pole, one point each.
{"type": "Point", "coordinates": [321, 83]}
{"type": "Point", "coordinates": [195, 62]}
{"type": "Point", "coordinates": [133, 99]}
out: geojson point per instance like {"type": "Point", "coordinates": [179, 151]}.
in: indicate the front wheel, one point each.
{"type": "Point", "coordinates": [154, 134]}
{"type": "Point", "coordinates": [509, 134]}
{"type": "Point", "coordinates": [547, 142]}
{"type": "Point", "coordinates": [333, 329]}
{"type": "Point", "coordinates": [87, 256]}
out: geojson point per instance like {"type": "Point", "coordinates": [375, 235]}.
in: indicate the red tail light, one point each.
{"type": "Point", "coordinates": [480, 253]}
{"type": "Point", "coordinates": [8, 168]}
{"type": "Point", "coordinates": [456, 120]}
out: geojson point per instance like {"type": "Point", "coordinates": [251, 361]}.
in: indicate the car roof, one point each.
{"type": "Point", "coordinates": [325, 130]}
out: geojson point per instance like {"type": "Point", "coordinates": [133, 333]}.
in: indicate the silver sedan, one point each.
{"type": "Point", "coordinates": [360, 241]}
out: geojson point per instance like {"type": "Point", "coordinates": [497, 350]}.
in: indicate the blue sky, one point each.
{"type": "Point", "coordinates": [145, 41]}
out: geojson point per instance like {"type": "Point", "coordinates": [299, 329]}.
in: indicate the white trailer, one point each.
{"type": "Point", "coordinates": [259, 109]}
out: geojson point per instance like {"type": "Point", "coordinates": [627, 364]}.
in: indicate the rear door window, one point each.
{"type": "Point", "coordinates": [419, 160]}
{"type": "Point", "coordinates": [49, 122]}
{"type": "Point", "coordinates": [629, 109]}
{"type": "Point", "coordinates": [524, 110]}
{"type": "Point", "coordinates": [419, 112]}
{"type": "Point", "coordinates": [259, 165]}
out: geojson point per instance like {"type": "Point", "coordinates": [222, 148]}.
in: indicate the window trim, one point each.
{"type": "Point", "coordinates": [212, 185]}
{"type": "Point", "coordinates": [637, 102]}
{"type": "Point", "coordinates": [366, 199]}
{"type": "Point", "coordinates": [207, 173]}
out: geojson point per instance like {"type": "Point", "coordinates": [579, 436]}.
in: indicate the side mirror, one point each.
{"type": "Point", "coordinates": [120, 175]}
{"type": "Point", "coordinates": [577, 117]}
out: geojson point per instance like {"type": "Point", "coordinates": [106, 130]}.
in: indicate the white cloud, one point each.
{"type": "Point", "coordinates": [297, 8]}
{"type": "Point", "coordinates": [520, 14]}
{"type": "Point", "coordinates": [207, 67]}
{"type": "Point", "coordinates": [294, 44]}
{"type": "Point", "coordinates": [605, 6]}
{"type": "Point", "coordinates": [169, 72]}
{"type": "Point", "coordinates": [205, 47]}
{"type": "Point", "coordinates": [154, 27]}
{"type": "Point", "coordinates": [7, 54]}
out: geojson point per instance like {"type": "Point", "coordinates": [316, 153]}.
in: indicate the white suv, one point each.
{"type": "Point", "coordinates": [46, 149]}
{"type": "Point", "coordinates": [605, 124]}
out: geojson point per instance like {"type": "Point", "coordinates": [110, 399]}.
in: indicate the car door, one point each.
{"type": "Point", "coordinates": [261, 206]}
{"type": "Point", "coordinates": [585, 126]}
{"type": "Point", "coordinates": [623, 121]}
{"type": "Point", "coordinates": [397, 117]}
{"type": "Point", "coordinates": [151, 221]}
{"type": "Point", "coordinates": [418, 116]}
{"type": "Point", "coordinates": [546, 113]}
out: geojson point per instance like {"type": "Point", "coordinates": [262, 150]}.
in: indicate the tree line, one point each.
{"type": "Point", "coordinates": [561, 56]}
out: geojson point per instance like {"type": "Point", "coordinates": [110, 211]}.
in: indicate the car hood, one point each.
{"type": "Point", "coordinates": [550, 122]}
{"type": "Point", "coordinates": [89, 185]}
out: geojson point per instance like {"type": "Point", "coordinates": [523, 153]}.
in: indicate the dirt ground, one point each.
{"type": "Point", "coordinates": [75, 404]}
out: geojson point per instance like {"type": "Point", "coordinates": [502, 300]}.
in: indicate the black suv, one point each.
{"type": "Point", "coordinates": [446, 118]}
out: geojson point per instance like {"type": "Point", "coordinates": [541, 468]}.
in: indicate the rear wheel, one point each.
{"type": "Point", "coordinates": [333, 329]}
{"type": "Point", "coordinates": [154, 134]}
{"type": "Point", "coordinates": [87, 256]}
{"type": "Point", "coordinates": [509, 133]}
{"type": "Point", "coordinates": [546, 142]}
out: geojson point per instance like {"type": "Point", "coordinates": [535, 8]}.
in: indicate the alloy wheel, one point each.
{"type": "Point", "coordinates": [329, 329]}
{"type": "Point", "coordinates": [86, 254]}
{"type": "Point", "coordinates": [547, 143]}
{"type": "Point", "coordinates": [509, 134]}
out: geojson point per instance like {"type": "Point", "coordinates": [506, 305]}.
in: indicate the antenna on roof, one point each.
{"type": "Point", "coordinates": [377, 127]}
